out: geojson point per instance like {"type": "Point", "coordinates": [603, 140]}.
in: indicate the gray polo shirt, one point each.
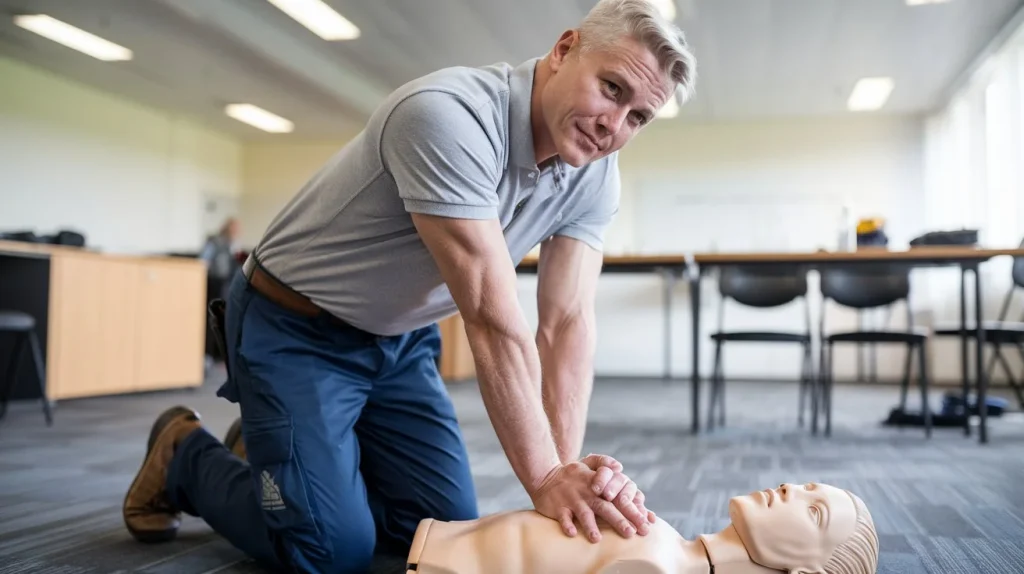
{"type": "Point", "coordinates": [455, 143]}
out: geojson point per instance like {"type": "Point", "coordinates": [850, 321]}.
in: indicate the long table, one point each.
{"type": "Point", "coordinates": [695, 265]}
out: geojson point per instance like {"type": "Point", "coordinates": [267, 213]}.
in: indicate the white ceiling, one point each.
{"type": "Point", "coordinates": [756, 58]}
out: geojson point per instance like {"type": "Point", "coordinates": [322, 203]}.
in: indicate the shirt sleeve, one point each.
{"type": "Point", "coordinates": [591, 224]}
{"type": "Point", "coordinates": [442, 157]}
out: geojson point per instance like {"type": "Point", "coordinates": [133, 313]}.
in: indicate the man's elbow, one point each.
{"type": "Point", "coordinates": [576, 329]}
{"type": "Point", "coordinates": [493, 322]}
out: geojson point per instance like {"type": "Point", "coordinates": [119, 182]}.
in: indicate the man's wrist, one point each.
{"type": "Point", "coordinates": [535, 486]}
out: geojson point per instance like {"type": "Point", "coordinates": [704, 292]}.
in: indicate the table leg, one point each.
{"type": "Point", "coordinates": [669, 282]}
{"type": "Point", "coordinates": [964, 375]}
{"type": "Point", "coordinates": [695, 276]}
{"type": "Point", "coordinates": [979, 350]}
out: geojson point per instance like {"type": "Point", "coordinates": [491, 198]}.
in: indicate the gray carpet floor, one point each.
{"type": "Point", "coordinates": [942, 506]}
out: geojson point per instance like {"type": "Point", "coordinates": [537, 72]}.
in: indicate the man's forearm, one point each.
{"type": "Point", "coordinates": [508, 370]}
{"type": "Point", "coordinates": [566, 353]}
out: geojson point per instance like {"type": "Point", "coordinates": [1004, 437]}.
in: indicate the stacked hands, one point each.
{"type": "Point", "coordinates": [592, 489]}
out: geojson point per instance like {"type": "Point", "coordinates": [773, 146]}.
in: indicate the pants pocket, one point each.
{"type": "Point", "coordinates": [281, 487]}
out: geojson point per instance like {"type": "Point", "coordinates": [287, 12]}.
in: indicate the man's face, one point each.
{"type": "Point", "coordinates": [597, 100]}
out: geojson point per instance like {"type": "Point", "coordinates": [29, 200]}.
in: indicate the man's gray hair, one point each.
{"type": "Point", "coordinates": [641, 20]}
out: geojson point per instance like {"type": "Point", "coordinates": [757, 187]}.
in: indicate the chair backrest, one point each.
{"type": "Point", "coordinates": [767, 286]}
{"type": "Point", "coordinates": [68, 237]}
{"type": "Point", "coordinates": [866, 285]}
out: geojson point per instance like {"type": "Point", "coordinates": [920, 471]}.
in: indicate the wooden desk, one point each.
{"type": "Point", "coordinates": [108, 324]}
{"type": "Point", "coordinates": [694, 265]}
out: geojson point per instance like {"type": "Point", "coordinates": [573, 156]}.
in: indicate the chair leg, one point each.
{"type": "Point", "coordinates": [828, 392]}
{"type": "Point", "coordinates": [1020, 349]}
{"type": "Point", "coordinates": [817, 386]}
{"type": "Point", "coordinates": [1009, 374]}
{"type": "Point", "coordinates": [805, 381]}
{"type": "Point", "coordinates": [721, 389]}
{"type": "Point", "coordinates": [716, 385]}
{"type": "Point", "coordinates": [37, 359]}
{"type": "Point", "coordinates": [922, 375]}
{"type": "Point", "coordinates": [12, 370]}
{"type": "Point", "coordinates": [905, 384]}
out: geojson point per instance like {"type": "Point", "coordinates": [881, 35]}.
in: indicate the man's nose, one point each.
{"type": "Point", "coordinates": [611, 122]}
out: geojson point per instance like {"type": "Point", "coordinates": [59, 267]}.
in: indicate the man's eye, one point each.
{"type": "Point", "coordinates": [612, 88]}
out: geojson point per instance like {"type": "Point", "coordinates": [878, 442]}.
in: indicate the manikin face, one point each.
{"type": "Point", "coordinates": [794, 528]}
{"type": "Point", "coordinates": [598, 99]}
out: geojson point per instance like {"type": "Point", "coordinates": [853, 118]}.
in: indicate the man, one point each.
{"type": "Point", "coordinates": [331, 328]}
{"type": "Point", "coordinates": [218, 254]}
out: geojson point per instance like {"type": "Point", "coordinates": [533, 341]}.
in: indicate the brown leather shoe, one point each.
{"type": "Point", "coordinates": [148, 513]}
{"type": "Point", "coordinates": [233, 439]}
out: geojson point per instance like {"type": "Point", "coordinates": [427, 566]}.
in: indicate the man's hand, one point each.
{"type": "Point", "coordinates": [611, 484]}
{"type": "Point", "coordinates": [567, 495]}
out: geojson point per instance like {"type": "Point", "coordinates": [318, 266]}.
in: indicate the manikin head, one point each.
{"type": "Point", "coordinates": [807, 529]}
{"type": "Point", "coordinates": [604, 81]}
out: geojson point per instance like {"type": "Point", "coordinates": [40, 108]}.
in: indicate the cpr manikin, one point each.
{"type": "Point", "coordinates": [808, 529]}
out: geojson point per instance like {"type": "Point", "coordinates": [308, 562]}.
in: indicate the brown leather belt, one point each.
{"type": "Point", "coordinates": [278, 292]}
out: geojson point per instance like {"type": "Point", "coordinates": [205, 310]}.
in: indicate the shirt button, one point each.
{"type": "Point", "coordinates": [532, 175]}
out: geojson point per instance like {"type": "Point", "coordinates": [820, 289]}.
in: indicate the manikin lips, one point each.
{"type": "Point", "coordinates": [770, 495]}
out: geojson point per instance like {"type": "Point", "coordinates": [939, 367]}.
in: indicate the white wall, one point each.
{"type": "Point", "coordinates": [974, 174]}
{"type": "Point", "coordinates": [747, 187]}
{"type": "Point", "coordinates": [131, 178]}
{"type": "Point", "coordinates": [271, 174]}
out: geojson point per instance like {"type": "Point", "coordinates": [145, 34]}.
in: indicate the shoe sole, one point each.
{"type": "Point", "coordinates": [153, 536]}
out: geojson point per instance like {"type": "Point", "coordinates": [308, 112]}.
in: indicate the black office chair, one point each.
{"type": "Point", "coordinates": [1000, 333]}
{"type": "Point", "coordinates": [760, 287]}
{"type": "Point", "coordinates": [869, 286]}
{"type": "Point", "coordinates": [22, 326]}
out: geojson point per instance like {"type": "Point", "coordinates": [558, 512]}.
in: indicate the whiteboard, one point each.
{"type": "Point", "coordinates": [675, 222]}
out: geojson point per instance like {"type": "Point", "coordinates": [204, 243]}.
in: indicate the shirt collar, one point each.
{"type": "Point", "coordinates": [519, 105]}
{"type": "Point", "coordinates": [521, 130]}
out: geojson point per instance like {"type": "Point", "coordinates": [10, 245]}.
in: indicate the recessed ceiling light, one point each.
{"type": "Point", "coordinates": [670, 109]}
{"type": "Point", "coordinates": [320, 18]}
{"type": "Point", "coordinates": [923, 2]}
{"type": "Point", "coordinates": [666, 7]}
{"type": "Point", "coordinates": [870, 94]}
{"type": "Point", "coordinates": [259, 118]}
{"type": "Point", "coordinates": [72, 37]}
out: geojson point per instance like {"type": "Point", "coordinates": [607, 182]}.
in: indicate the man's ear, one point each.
{"type": "Point", "coordinates": [569, 40]}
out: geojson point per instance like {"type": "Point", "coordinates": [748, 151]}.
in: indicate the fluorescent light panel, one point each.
{"type": "Point", "coordinates": [923, 2]}
{"type": "Point", "coordinates": [72, 37]}
{"type": "Point", "coordinates": [666, 7]}
{"type": "Point", "coordinates": [259, 118]}
{"type": "Point", "coordinates": [320, 18]}
{"type": "Point", "coordinates": [870, 94]}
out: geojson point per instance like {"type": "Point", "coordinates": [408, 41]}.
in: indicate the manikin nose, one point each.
{"type": "Point", "coordinates": [785, 489]}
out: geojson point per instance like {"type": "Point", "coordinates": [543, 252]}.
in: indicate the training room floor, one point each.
{"type": "Point", "coordinates": [943, 506]}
